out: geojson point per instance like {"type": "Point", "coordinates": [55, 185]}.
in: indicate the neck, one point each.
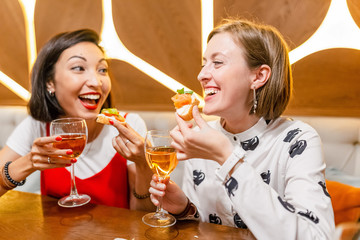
{"type": "Point", "coordinates": [239, 125]}
{"type": "Point", "coordinates": [94, 129]}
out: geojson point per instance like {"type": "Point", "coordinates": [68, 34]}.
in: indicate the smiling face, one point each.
{"type": "Point", "coordinates": [226, 78]}
{"type": "Point", "coordinates": [81, 81]}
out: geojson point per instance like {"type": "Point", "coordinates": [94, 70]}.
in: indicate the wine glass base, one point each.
{"type": "Point", "coordinates": [74, 201]}
{"type": "Point", "coordinates": [160, 219]}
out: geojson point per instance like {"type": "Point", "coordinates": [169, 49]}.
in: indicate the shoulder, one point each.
{"type": "Point", "coordinates": [29, 124]}
{"type": "Point", "coordinates": [21, 139]}
{"type": "Point", "coordinates": [288, 125]}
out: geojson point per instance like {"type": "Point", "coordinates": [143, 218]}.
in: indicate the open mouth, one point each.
{"type": "Point", "coordinates": [90, 100]}
{"type": "Point", "coordinates": [211, 91]}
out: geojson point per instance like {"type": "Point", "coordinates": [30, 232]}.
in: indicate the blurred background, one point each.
{"type": "Point", "coordinates": [162, 41]}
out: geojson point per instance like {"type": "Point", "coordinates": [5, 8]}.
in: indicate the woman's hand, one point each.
{"type": "Point", "coordinates": [206, 142]}
{"type": "Point", "coordinates": [44, 156]}
{"type": "Point", "coordinates": [174, 199]}
{"type": "Point", "coordinates": [129, 143]}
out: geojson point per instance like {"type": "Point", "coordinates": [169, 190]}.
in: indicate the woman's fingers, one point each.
{"type": "Point", "coordinates": [44, 155]}
{"type": "Point", "coordinates": [129, 143]}
{"type": "Point", "coordinates": [42, 141]}
{"type": "Point", "coordinates": [183, 126]}
{"type": "Point", "coordinates": [198, 118]}
{"type": "Point", "coordinates": [42, 162]}
{"type": "Point", "coordinates": [126, 131]}
{"type": "Point", "coordinates": [120, 144]}
{"type": "Point", "coordinates": [156, 190]}
{"type": "Point", "coordinates": [181, 156]}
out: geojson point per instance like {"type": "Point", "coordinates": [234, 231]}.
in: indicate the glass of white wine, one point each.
{"type": "Point", "coordinates": [73, 132]}
{"type": "Point", "coordinates": [162, 160]}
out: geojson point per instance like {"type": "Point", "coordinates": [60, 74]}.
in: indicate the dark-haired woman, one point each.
{"type": "Point", "coordinates": [70, 79]}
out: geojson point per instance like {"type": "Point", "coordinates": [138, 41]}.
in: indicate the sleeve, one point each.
{"type": "Point", "coordinates": [304, 211]}
{"type": "Point", "coordinates": [22, 138]}
{"type": "Point", "coordinates": [187, 182]}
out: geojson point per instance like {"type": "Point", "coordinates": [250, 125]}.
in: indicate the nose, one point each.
{"type": "Point", "coordinates": [204, 74]}
{"type": "Point", "coordinates": [94, 79]}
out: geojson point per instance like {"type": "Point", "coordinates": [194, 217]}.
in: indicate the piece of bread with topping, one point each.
{"type": "Point", "coordinates": [184, 101]}
{"type": "Point", "coordinates": [107, 114]}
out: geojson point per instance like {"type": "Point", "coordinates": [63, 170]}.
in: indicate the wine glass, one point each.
{"type": "Point", "coordinates": [73, 132]}
{"type": "Point", "coordinates": [162, 160]}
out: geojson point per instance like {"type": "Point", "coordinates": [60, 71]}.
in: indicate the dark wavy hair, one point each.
{"type": "Point", "coordinates": [42, 105]}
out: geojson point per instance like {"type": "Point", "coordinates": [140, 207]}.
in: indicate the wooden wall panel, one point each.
{"type": "Point", "coordinates": [13, 51]}
{"type": "Point", "coordinates": [296, 20]}
{"type": "Point", "coordinates": [354, 8]}
{"type": "Point", "coordinates": [167, 35]}
{"type": "Point", "coordinates": [327, 83]}
{"type": "Point", "coordinates": [53, 17]}
{"type": "Point", "coordinates": [133, 90]}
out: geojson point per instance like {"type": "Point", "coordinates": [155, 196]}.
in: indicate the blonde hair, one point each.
{"type": "Point", "coordinates": [263, 44]}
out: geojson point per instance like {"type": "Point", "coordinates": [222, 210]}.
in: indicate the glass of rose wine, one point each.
{"type": "Point", "coordinates": [73, 132]}
{"type": "Point", "coordinates": [162, 160]}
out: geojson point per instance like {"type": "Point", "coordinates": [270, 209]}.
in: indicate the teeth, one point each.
{"type": "Point", "coordinates": [211, 91]}
{"type": "Point", "coordinates": [91, 96]}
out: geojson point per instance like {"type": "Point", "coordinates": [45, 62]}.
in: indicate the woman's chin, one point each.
{"type": "Point", "coordinates": [207, 111]}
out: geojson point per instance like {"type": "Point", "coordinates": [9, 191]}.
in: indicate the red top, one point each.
{"type": "Point", "coordinates": [107, 187]}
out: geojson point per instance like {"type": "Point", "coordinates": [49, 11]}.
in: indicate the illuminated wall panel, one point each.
{"type": "Point", "coordinates": [168, 36]}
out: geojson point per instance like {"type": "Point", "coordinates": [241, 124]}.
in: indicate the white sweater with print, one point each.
{"type": "Point", "coordinates": [278, 192]}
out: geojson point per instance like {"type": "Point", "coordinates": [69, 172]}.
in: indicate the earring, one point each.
{"type": "Point", "coordinates": [255, 101]}
{"type": "Point", "coordinates": [51, 93]}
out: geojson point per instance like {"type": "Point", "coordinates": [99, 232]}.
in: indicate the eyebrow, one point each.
{"type": "Point", "coordinates": [76, 56]}
{"type": "Point", "coordinates": [214, 55]}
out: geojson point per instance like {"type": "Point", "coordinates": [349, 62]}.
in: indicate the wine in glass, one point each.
{"type": "Point", "coordinates": [162, 160]}
{"type": "Point", "coordinates": [73, 132]}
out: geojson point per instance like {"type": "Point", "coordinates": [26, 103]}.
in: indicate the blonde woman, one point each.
{"type": "Point", "coordinates": [252, 168]}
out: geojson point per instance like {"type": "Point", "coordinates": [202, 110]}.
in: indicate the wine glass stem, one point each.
{"type": "Point", "coordinates": [73, 191]}
{"type": "Point", "coordinates": [159, 208]}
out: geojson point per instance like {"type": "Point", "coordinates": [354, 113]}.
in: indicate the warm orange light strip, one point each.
{"type": "Point", "coordinates": [117, 50]}
{"type": "Point", "coordinates": [14, 87]}
{"type": "Point", "coordinates": [338, 30]}
{"type": "Point", "coordinates": [207, 21]}
{"type": "Point", "coordinates": [28, 8]}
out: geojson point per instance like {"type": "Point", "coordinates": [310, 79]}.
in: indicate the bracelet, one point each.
{"type": "Point", "coordinates": [186, 211]}
{"type": "Point", "coordinates": [4, 182]}
{"type": "Point", "coordinates": [6, 172]}
{"type": "Point", "coordinates": [138, 196]}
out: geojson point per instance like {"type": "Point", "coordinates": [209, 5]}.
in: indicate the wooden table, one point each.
{"type": "Point", "coordinates": [32, 216]}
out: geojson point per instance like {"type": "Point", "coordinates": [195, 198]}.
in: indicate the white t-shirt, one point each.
{"type": "Point", "coordinates": [96, 155]}
{"type": "Point", "coordinates": [278, 192]}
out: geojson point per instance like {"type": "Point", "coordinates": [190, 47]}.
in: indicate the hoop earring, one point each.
{"type": "Point", "coordinates": [52, 94]}
{"type": "Point", "coordinates": [255, 101]}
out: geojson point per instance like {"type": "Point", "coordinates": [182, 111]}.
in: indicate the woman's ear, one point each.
{"type": "Point", "coordinates": [50, 87]}
{"type": "Point", "coordinates": [262, 75]}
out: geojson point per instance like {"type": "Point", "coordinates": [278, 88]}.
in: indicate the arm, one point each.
{"type": "Point", "coordinates": [30, 154]}
{"type": "Point", "coordinates": [18, 170]}
{"type": "Point", "coordinates": [22, 166]}
{"type": "Point", "coordinates": [297, 200]}
{"type": "Point", "coordinates": [130, 144]}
